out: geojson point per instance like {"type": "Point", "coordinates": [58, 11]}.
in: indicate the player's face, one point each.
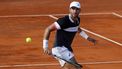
{"type": "Point", "coordinates": [74, 11]}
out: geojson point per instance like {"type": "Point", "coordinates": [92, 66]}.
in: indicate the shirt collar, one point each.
{"type": "Point", "coordinates": [70, 18]}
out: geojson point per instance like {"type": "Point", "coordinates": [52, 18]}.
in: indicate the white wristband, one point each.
{"type": "Point", "coordinates": [45, 44]}
{"type": "Point", "coordinates": [84, 35]}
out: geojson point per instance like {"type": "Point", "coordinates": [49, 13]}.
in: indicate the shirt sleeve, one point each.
{"type": "Point", "coordinates": [57, 25]}
{"type": "Point", "coordinates": [61, 22]}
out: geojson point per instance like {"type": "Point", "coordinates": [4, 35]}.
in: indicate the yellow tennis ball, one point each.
{"type": "Point", "coordinates": [28, 40]}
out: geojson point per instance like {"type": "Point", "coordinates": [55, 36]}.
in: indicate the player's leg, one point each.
{"type": "Point", "coordinates": [65, 58]}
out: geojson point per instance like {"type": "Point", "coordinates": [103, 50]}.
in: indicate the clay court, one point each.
{"type": "Point", "coordinates": [101, 19]}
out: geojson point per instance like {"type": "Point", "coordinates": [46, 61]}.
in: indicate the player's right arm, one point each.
{"type": "Point", "coordinates": [47, 33]}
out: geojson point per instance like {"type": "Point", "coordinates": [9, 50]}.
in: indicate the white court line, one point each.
{"type": "Point", "coordinates": [55, 64]}
{"type": "Point", "coordinates": [14, 16]}
{"type": "Point", "coordinates": [110, 40]}
{"type": "Point", "coordinates": [103, 37]}
{"type": "Point", "coordinates": [29, 65]}
{"type": "Point", "coordinates": [39, 15]}
{"type": "Point", "coordinates": [104, 13]}
{"type": "Point", "coordinates": [116, 14]}
{"type": "Point", "coordinates": [53, 17]}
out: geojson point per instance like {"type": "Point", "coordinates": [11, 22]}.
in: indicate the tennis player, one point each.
{"type": "Point", "coordinates": [66, 28]}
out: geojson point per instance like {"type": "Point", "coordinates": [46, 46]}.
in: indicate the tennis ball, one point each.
{"type": "Point", "coordinates": [28, 40]}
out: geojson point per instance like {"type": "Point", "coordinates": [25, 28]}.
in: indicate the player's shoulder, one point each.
{"type": "Point", "coordinates": [64, 17]}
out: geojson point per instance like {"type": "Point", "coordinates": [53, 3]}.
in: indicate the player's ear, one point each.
{"type": "Point", "coordinates": [69, 10]}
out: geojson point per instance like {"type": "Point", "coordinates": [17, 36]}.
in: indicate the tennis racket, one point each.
{"type": "Point", "coordinates": [75, 64]}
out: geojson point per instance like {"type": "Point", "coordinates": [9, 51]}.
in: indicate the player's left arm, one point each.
{"type": "Point", "coordinates": [84, 35]}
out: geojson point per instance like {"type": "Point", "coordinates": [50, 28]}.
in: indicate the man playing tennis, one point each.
{"type": "Point", "coordinates": [66, 28]}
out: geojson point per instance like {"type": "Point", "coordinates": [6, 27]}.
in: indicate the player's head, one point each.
{"type": "Point", "coordinates": [75, 8]}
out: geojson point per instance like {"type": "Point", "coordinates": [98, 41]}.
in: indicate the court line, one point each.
{"type": "Point", "coordinates": [116, 14]}
{"type": "Point", "coordinates": [39, 15]}
{"type": "Point", "coordinates": [28, 65]}
{"type": "Point", "coordinates": [110, 40]}
{"type": "Point", "coordinates": [103, 37]}
{"type": "Point", "coordinates": [55, 64]}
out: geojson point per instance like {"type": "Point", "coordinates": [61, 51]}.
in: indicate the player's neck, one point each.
{"type": "Point", "coordinates": [74, 18]}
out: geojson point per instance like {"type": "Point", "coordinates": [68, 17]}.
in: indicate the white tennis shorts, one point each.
{"type": "Point", "coordinates": [63, 53]}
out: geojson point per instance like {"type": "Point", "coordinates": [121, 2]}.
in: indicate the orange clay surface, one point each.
{"type": "Point", "coordinates": [15, 53]}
